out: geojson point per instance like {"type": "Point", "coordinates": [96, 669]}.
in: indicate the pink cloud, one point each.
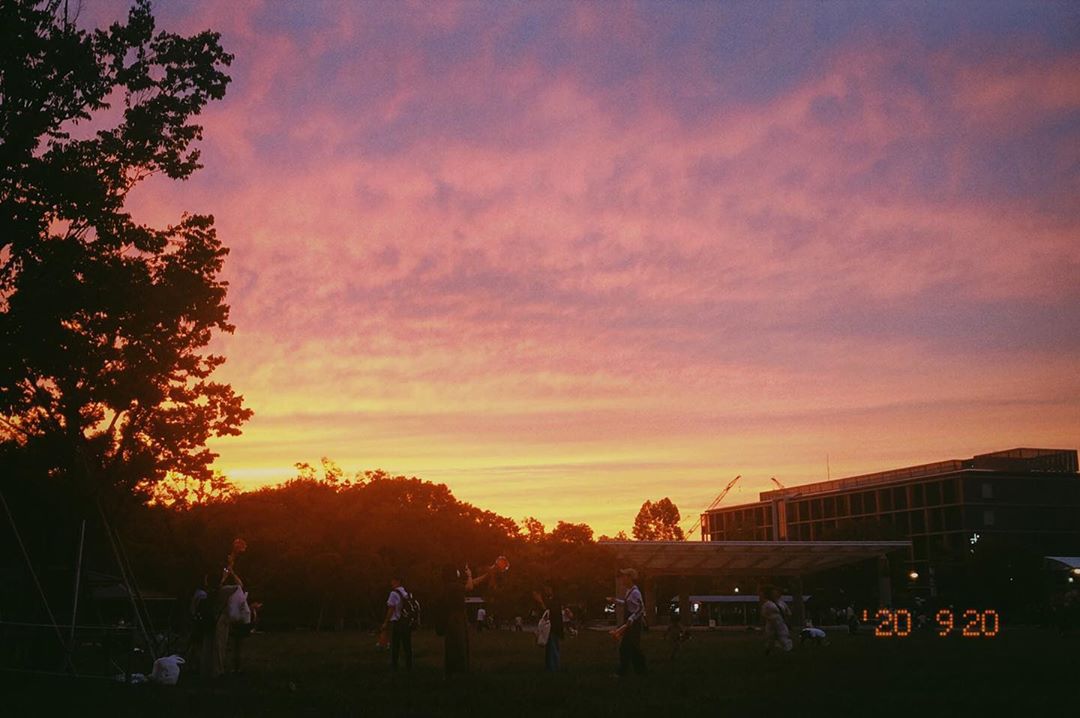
{"type": "Point", "coordinates": [446, 254]}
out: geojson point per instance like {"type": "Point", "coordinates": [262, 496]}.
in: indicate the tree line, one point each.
{"type": "Point", "coordinates": [323, 544]}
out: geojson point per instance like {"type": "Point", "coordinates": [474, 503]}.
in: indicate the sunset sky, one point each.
{"type": "Point", "coordinates": [569, 257]}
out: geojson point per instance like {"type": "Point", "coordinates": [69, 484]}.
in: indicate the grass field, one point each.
{"type": "Point", "coordinates": [1021, 672]}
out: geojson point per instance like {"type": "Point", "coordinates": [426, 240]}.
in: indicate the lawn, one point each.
{"type": "Point", "coordinates": [1020, 672]}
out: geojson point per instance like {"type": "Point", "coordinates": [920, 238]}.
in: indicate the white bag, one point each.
{"type": "Point", "coordinates": [543, 629]}
{"type": "Point", "coordinates": [166, 670]}
{"type": "Point", "coordinates": [239, 610]}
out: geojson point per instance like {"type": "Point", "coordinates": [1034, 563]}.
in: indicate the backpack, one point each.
{"type": "Point", "coordinates": [410, 609]}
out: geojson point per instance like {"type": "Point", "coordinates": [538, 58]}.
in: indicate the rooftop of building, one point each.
{"type": "Point", "coordinates": [1021, 460]}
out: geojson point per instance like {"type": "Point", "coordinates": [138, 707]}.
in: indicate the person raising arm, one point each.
{"type": "Point", "coordinates": [629, 633]}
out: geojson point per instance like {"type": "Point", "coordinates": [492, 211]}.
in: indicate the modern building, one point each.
{"type": "Point", "coordinates": [1031, 496]}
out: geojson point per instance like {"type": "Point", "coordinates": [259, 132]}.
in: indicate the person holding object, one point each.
{"type": "Point", "coordinates": [629, 633]}
{"type": "Point", "coordinates": [454, 623]}
{"type": "Point", "coordinates": [552, 607]}
{"type": "Point", "coordinates": [229, 583]}
{"type": "Point", "coordinates": [400, 625]}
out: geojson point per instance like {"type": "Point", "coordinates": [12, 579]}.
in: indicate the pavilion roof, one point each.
{"type": "Point", "coordinates": [746, 558]}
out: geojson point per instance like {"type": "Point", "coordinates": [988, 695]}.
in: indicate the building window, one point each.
{"type": "Point", "coordinates": [902, 524]}
{"type": "Point", "coordinates": [948, 492]}
{"type": "Point", "coordinates": [987, 490]}
{"type": "Point", "coordinates": [856, 504]}
{"type": "Point", "coordinates": [988, 517]}
{"type": "Point", "coordinates": [953, 518]}
{"type": "Point", "coordinates": [917, 496]}
{"type": "Point", "coordinates": [920, 548]}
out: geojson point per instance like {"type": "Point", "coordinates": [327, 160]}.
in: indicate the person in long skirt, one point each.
{"type": "Point", "coordinates": [454, 622]}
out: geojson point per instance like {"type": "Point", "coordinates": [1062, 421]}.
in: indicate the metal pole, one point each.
{"type": "Point", "coordinates": [129, 584]}
{"type": "Point", "coordinates": [78, 576]}
{"type": "Point", "coordinates": [33, 575]}
{"type": "Point", "coordinates": [75, 600]}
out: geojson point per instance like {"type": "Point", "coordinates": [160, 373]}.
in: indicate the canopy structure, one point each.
{"type": "Point", "coordinates": [746, 558]}
{"type": "Point", "coordinates": [736, 598]}
{"type": "Point", "coordinates": [1071, 563]}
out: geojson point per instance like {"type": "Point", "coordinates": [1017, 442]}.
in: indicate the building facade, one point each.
{"type": "Point", "coordinates": [1025, 495]}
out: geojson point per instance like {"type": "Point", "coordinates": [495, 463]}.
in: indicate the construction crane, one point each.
{"type": "Point", "coordinates": [713, 505]}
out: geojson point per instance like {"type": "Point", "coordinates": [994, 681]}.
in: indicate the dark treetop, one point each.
{"type": "Point", "coordinates": [104, 321]}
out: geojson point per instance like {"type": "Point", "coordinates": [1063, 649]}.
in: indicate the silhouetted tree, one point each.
{"type": "Point", "coordinates": [182, 492]}
{"type": "Point", "coordinates": [320, 553]}
{"type": "Point", "coordinates": [534, 529]}
{"type": "Point", "coordinates": [331, 472]}
{"type": "Point", "coordinates": [569, 533]}
{"type": "Point", "coordinates": [104, 321]}
{"type": "Point", "coordinates": [658, 521]}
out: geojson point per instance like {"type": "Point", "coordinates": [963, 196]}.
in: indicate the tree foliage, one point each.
{"type": "Point", "coordinates": [658, 521]}
{"type": "Point", "coordinates": [104, 321]}
{"type": "Point", "coordinates": [183, 492]}
{"type": "Point", "coordinates": [321, 552]}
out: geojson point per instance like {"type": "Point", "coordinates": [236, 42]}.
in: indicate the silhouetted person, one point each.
{"type": "Point", "coordinates": [228, 583]}
{"type": "Point", "coordinates": [813, 634]}
{"type": "Point", "coordinates": [774, 614]}
{"type": "Point", "coordinates": [453, 621]}
{"type": "Point", "coordinates": [551, 603]}
{"type": "Point", "coordinates": [400, 625]}
{"type": "Point", "coordinates": [629, 633]}
{"type": "Point", "coordinates": [199, 622]}
{"type": "Point", "coordinates": [675, 635]}
{"type": "Point", "coordinates": [481, 619]}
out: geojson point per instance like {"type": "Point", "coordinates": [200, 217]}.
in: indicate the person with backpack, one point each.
{"type": "Point", "coordinates": [402, 616]}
